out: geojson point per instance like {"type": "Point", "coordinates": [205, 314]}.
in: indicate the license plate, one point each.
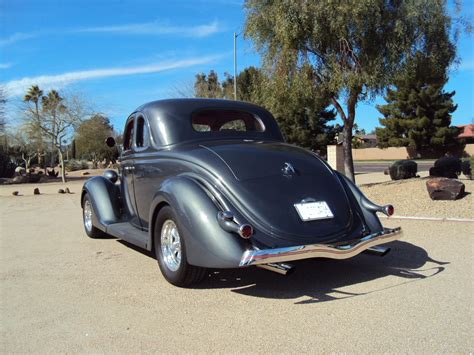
{"type": "Point", "coordinates": [311, 211]}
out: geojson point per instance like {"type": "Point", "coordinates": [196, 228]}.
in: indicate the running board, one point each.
{"type": "Point", "coordinates": [129, 233]}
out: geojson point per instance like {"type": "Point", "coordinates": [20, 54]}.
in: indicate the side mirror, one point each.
{"type": "Point", "coordinates": [110, 141]}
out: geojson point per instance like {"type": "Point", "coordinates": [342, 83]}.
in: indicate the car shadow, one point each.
{"type": "Point", "coordinates": [138, 249]}
{"type": "Point", "coordinates": [322, 280]}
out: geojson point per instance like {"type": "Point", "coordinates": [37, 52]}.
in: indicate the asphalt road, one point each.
{"type": "Point", "coordinates": [365, 167]}
{"type": "Point", "coordinates": [62, 292]}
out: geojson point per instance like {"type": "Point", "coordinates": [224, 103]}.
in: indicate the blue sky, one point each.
{"type": "Point", "coordinates": [120, 54]}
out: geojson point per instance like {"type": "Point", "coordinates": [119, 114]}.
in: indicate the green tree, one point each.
{"type": "Point", "coordinates": [54, 118]}
{"type": "Point", "coordinates": [356, 47]}
{"type": "Point", "coordinates": [209, 86]}
{"type": "Point", "coordinates": [299, 107]}
{"type": "Point", "coordinates": [417, 116]}
{"type": "Point", "coordinates": [250, 85]}
{"type": "Point", "coordinates": [90, 140]}
{"type": "Point", "coordinates": [292, 97]}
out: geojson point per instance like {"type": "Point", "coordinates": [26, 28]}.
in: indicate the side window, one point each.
{"type": "Point", "coordinates": [128, 136]}
{"type": "Point", "coordinates": [143, 136]}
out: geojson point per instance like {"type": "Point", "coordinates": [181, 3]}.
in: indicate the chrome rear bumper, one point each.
{"type": "Point", "coordinates": [278, 255]}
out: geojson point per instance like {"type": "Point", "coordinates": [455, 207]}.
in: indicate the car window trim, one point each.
{"type": "Point", "coordinates": [148, 141]}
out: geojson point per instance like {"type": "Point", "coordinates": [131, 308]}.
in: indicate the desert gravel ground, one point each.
{"type": "Point", "coordinates": [64, 293]}
{"type": "Point", "coordinates": [411, 198]}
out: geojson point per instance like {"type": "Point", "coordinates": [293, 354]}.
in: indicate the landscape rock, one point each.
{"type": "Point", "coordinates": [36, 191]}
{"type": "Point", "coordinates": [445, 189]}
{"type": "Point", "coordinates": [403, 169]}
{"type": "Point", "coordinates": [61, 191]}
{"type": "Point", "coordinates": [15, 193]}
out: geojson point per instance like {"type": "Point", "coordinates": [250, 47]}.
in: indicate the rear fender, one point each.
{"type": "Point", "coordinates": [207, 244]}
{"type": "Point", "coordinates": [105, 198]}
{"type": "Point", "coordinates": [367, 207]}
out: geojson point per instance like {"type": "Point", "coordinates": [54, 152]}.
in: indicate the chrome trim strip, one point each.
{"type": "Point", "coordinates": [278, 255]}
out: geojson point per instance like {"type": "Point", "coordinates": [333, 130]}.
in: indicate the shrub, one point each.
{"type": "Point", "coordinates": [7, 167]}
{"type": "Point", "coordinates": [84, 164]}
{"type": "Point", "coordinates": [73, 165]}
{"type": "Point", "coordinates": [403, 169]}
{"type": "Point", "coordinates": [448, 167]}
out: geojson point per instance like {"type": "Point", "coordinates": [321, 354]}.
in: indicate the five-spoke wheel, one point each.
{"type": "Point", "coordinates": [170, 250]}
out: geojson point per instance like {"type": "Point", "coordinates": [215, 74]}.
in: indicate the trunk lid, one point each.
{"type": "Point", "coordinates": [273, 177]}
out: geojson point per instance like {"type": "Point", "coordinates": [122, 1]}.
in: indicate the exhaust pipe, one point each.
{"type": "Point", "coordinates": [377, 250]}
{"type": "Point", "coordinates": [279, 268]}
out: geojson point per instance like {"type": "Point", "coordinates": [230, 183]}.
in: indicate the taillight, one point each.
{"type": "Point", "coordinates": [245, 231]}
{"type": "Point", "coordinates": [389, 210]}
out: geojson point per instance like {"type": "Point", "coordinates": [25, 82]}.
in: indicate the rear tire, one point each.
{"type": "Point", "coordinates": [170, 251]}
{"type": "Point", "coordinates": [87, 218]}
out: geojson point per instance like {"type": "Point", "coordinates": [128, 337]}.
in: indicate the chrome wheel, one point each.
{"type": "Point", "coordinates": [88, 215]}
{"type": "Point", "coordinates": [171, 245]}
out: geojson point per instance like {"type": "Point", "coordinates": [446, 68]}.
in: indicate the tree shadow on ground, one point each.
{"type": "Point", "coordinates": [322, 280]}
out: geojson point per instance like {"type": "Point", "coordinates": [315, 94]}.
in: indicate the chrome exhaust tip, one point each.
{"type": "Point", "coordinates": [279, 268]}
{"type": "Point", "coordinates": [377, 250]}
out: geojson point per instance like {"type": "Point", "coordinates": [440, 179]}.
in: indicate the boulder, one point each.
{"type": "Point", "coordinates": [445, 189]}
{"type": "Point", "coordinates": [61, 191]}
{"type": "Point", "coordinates": [15, 193]}
{"type": "Point", "coordinates": [403, 169]}
{"type": "Point", "coordinates": [36, 191]}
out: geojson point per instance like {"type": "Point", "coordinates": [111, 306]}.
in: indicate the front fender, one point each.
{"type": "Point", "coordinates": [105, 198]}
{"type": "Point", "coordinates": [207, 244]}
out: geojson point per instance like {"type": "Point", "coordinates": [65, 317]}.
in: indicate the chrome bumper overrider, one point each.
{"type": "Point", "coordinates": [278, 255]}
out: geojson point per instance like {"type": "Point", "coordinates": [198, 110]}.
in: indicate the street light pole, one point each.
{"type": "Point", "coordinates": [235, 66]}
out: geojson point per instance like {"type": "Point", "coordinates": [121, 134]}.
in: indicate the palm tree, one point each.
{"type": "Point", "coordinates": [53, 104]}
{"type": "Point", "coordinates": [33, 95]}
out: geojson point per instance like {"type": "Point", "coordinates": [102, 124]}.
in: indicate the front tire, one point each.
{"type": "Point", "coordinates": [87, 217]}
{"type": "Point", "coordinates": [170, 250]}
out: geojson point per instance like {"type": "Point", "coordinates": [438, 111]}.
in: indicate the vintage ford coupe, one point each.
{"type": "Point", "coordinates": [211, 184]}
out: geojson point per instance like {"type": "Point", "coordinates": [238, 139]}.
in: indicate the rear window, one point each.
{"type": "Point", "coordinates": [226, 121]}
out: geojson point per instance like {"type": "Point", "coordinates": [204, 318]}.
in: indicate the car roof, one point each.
{"type": "Point", "coordinates": [170, 120]}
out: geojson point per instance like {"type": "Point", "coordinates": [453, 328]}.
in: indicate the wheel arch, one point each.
{"type": "Point", "coordinates": [105, 199]}
{"type": "Point", "coordinates": [207, 244]}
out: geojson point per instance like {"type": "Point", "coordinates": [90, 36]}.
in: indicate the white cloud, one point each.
{"type": "Point", "coordinates": [156, 28]}
{"type": "Point", "coordinates": [16, 37]}
{"type": "Point", "coordinates": [147, 28]}
{"type": "Point", "coordinates": [47, 82]}
{"type": "Point", "coordinates": [5, 65]}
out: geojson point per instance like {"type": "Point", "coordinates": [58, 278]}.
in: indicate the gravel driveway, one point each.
{"type": "Point", "coordinates": [62, 292]}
